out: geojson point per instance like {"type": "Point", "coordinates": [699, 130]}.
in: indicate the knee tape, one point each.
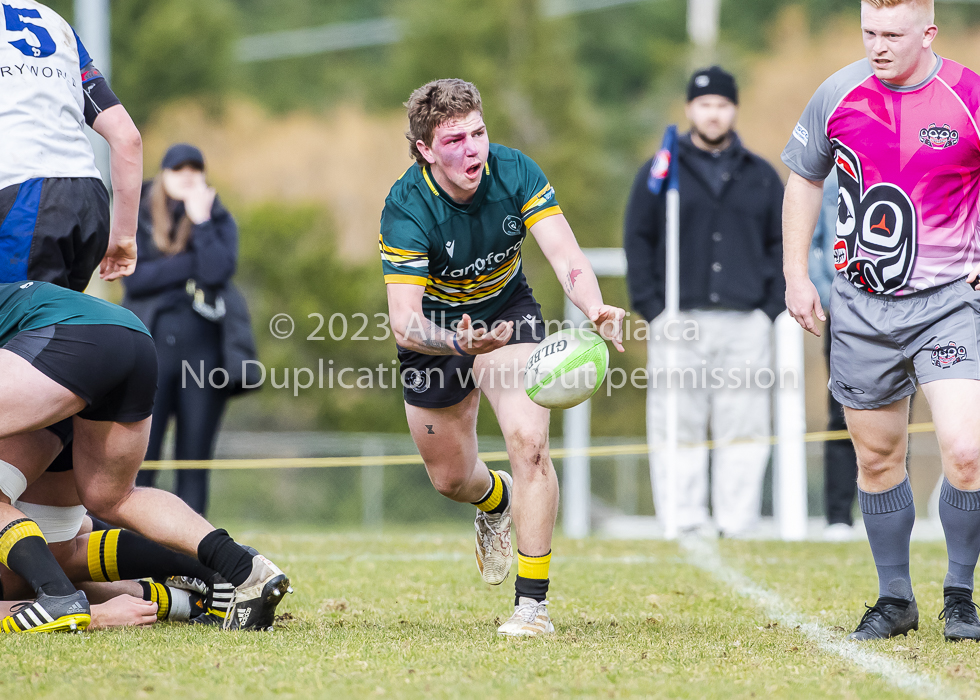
{"type": "Point", "coordinates": [57, 524]}
{"type": "Point", "coordinates": [12, 482]}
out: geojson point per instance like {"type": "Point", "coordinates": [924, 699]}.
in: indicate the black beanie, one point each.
{"type": "Point", "coordinates": [712, 81]}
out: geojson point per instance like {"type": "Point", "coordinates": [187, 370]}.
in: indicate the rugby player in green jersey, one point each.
{"type": "Point", "coordinates": [466, 322]}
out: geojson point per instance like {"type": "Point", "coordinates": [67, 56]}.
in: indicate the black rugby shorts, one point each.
{"type": "Point", "coordinates": [113, 368]}
{"type": "Point", "coordinates": [441, 381]}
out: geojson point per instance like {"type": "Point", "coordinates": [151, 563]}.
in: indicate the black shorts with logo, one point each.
{"type": "Point", "coordinates": [113, 368]}
{"type": "Point", "coordinates": [441, 381]}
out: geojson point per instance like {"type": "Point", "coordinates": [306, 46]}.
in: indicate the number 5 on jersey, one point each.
{"type": "Point", "coordinates": [17, 20]}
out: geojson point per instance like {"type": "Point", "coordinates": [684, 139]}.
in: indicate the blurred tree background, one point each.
{"type": "Point", "coordinates": [586, 94]}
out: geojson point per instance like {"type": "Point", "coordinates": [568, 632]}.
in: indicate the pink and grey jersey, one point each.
{"type": "Point", "coordinates": [908, 165]}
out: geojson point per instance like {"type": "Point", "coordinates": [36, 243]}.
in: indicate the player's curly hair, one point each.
{"type": "Point", "coordinates": [435, 103]}
{"type": "Point", "coordinates": [927, 6]}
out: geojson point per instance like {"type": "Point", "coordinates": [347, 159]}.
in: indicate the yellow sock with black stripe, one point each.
{"type": "Point", "coordinates": [103, 555]}
{"type": "Point", "coordinates": [497, 498]}
{"type": "Point", "coordinates": [122, 555]}
{"type": "Point", "coordinates": [159, 594]}
{"type": "Point", "coordinates": [24, 551]}
{"type": "Point", "coordinates": [532, 577]}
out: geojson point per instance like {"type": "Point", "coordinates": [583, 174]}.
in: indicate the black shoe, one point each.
{"type": "Point", "coordinates": [960, 614]}
{"type": "Point", "coordinates": [889, 617]}
{"type": "Point", "coordinates": [253, 604]}
{"type": "Point", "coordinates": [212, 608]}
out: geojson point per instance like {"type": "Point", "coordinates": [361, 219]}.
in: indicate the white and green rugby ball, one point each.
{"type": "Point", "coordinates": [566, 368]}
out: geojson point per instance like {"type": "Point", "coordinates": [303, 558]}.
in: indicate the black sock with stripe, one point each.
{"type": "Point", "coordinates": [220, 552]}
{"type": "Point", "coordinates": [24, 551]}
{"type": "Point", "coordinates": [121, 555]}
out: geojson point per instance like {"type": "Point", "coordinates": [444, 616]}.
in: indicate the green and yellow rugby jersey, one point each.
{"type": "Point", "coordinates": [27, 306]}
{"type": "Point", "coordinates": [468, 257]}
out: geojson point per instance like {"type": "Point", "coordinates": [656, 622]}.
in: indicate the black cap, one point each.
{"type": "Point", "coordinates": [712, 81]}
{"type": "Point", "coordinates": [182, 154]}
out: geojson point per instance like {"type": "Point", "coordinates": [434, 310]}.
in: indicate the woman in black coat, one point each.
{"type": "Point", "coordinates": [188, 250]}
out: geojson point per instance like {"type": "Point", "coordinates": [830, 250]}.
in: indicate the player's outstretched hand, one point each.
{"type": "Point", "coordinates": [479, 341]}
{"type": "Point", "coordinates": [802, 302]}
{"type": "Point", "coordinates": [123, 611]}
{"type": "Point", "coordinates": [119, 260]}
{"type": "Point", "coordinates": [973, 278]}
{"type": "Point", "coordinates": [608, 321]}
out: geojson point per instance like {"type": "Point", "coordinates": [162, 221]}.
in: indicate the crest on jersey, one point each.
{"type": "Point", "coordinates": [876, 229]}
{"type": "Point", "coordinates": [945, 356]}
{"type": "Point", "coordinates": [939, 137]}
{"type": "Point", "coordinates": [513, 225]}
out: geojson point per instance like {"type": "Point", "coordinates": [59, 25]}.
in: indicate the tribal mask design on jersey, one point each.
{"type": "Point", "coordinates": [876, 229]}
{"type": "Point", "coordinates": [939, 137]}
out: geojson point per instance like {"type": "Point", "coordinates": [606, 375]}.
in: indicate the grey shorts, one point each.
{"type": "Point", "coordinates": [883, 346]}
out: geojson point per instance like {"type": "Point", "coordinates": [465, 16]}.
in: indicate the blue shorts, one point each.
{"type": "Point", "coordinates": [53, 230]}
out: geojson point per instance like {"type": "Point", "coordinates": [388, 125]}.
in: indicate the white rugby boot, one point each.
{"type": "Point", "coordinates": [530, 619]}
{"type": "Point", "coordinates": [494, 552]}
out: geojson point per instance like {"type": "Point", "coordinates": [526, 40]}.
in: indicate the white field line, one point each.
{"type": "Point", "coordinates": [459, 556]}
{"type": "Point", "coordinates": [704, 555]}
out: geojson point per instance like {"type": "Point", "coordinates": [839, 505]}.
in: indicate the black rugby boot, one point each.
{"type": "Point", "coordinates": [960, 615]}
{"type": "Point", "coordinates": [889, 617]}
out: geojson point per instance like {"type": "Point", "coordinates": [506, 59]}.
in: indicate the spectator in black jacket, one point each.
{"type": "Point", "coordinates": [731, 288]}
{"type": "Point", "coordinates": [188, 251]}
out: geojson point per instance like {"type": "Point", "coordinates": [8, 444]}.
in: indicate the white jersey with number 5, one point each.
{"type": "Point", "coordinates": [41, 99]}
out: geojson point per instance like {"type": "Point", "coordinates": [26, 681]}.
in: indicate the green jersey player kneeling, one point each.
{"type": "Point", "coordinates": [466, 322]}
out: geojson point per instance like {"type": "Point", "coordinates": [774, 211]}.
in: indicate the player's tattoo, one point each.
{"type": "Point", "coordinates": [570, 280]}
{"type": "Point", "coordinates": [429, 338]}
{"type": "Point", "coordinates": [431, 431]}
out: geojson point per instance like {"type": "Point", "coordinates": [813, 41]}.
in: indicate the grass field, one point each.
{"type": "Point", "coordinates": [407, 616]}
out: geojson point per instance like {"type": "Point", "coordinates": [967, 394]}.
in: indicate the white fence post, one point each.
{"type": "Point", "coordinates": [789, 473]}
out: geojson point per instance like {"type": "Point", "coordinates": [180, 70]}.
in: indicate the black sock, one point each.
{"type": "Point", "coordinates": [27, 555]}
{"type": "Point", "coordinates": [121, 555]}
{"type": "Point", "coordinates": [219, 552]}
{"type": "Point", "coordinates": [535, 588]}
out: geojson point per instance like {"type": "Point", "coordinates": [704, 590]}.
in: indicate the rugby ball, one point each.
{"type": "Point", "coordinates": [566, 368]}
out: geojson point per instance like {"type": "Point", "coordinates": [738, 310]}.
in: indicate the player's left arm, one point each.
{"type": "Point", "coordinates": [106, 115]}
{"type": "Point", "coordinates": [577, 278]}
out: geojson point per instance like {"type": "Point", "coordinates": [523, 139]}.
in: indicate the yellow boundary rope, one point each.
{"type": "Point", "coordinates": [401, 460]}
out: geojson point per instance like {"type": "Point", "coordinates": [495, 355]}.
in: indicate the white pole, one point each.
{"type": "Point", "coordinates": [668, 499]}
{"type": "Point", "coordinates": [92, 25]}
{"type": "Point", "coordinates": [789, 474]}
{"type": "Point", "coordinates": [577, 479]}
{"type": "Point", "coordinates": [703, 18]}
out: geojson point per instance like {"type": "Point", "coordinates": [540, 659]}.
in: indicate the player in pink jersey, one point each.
{"type": "Point", "coordinates": [901, 129]}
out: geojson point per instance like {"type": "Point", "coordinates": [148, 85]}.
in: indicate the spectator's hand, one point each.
{"type": "Point", "coordinates": [802, 302]}
{"type": "Point", "coordinates": [478, 341]}
{"type": "Point", "coordinates": [608, 321]}
{"type": "Point", "coordinates": [120, 258]}
{"type": "Point", "coordinates": [972, 279]}
{"type": "Point", "coordinates": [199, 201]}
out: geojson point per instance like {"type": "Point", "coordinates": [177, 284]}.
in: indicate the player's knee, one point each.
{"type": "Point", "coordinates": [963, 456]}
{"type": "Point", "coordinates": [103, 502]}
{"type": "Point", "coordinates": [875, 463]}
{"type": "Point", "coordinates": [449, 485]}
{"type": "Point", "coordinates": [532, 444]}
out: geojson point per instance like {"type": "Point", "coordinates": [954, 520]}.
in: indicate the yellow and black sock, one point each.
{"type": "Point", "coordinates": [532, 577]}
{"type": "Point", "coordinates": [24, 551]}
{"type": "Point", "coordinates": [159, 594]}
{"type": "Point", "coordinates": [497, 498]}
{"type": "Point", "coordinates": [121, 555]}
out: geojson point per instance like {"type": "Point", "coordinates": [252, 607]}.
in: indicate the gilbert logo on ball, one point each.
{"type": "Point", "coordinates": [566, 368]}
